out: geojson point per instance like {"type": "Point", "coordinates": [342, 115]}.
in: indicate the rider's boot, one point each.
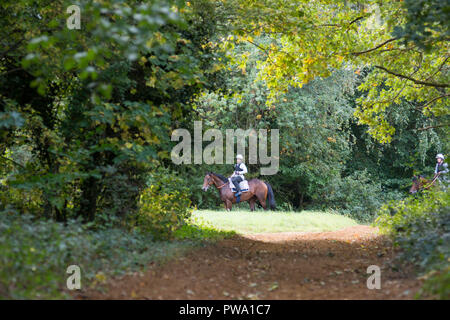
{"type": "Point", "coordinates": [238, 189]}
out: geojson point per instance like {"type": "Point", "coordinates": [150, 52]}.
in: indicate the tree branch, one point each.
{"type": "Point", "coordinates": [13, 47]}
{"type": "Point", "coordinates": [16, 163]}
{"type": "Point", "coordinates": [373, 49]}
{"type": "Point", "coordinates": [439, 69]}
{"type": "Point", "coordinates": [433, 100]}
{"type": "Point", "coordinates": [355, 20]}
{"type": "Point", "coordinates": [432, 127]}
{"type": "Point", "coordinates": [10, 71]}
{"type": "Point", "coordinates": [416, 81]}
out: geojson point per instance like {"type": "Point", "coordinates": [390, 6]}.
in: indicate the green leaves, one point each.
{"type": "Point", "coordinates": [161, 213]}
{"type": "Point", "coordinates": [353, 35]}
{"type": "Point", "coordinates": [9, 120]}
{"type": "Point", "coordinates": [420, 227]}
{"type": "Point", "coordinates": [113, 29]}
{"type": "Point", "coordinates": [426, 22]}
{"type": "Point", "coordinates": [101, 97]}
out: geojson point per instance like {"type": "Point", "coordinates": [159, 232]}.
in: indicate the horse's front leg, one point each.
{"type": "Point", "coordinates": [252, 202]}
{"type": "Point", "coordinates": [228, 205]}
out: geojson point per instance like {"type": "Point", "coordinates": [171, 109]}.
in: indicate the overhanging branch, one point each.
{"type": "Point", "coordinates": [433, 100]}
{"type": "Point", "coordinates": [416, 81]}
{"type": "Point", "coordinates": [432, 127]}
{"type": "Point", "coordinates": [375, 48]}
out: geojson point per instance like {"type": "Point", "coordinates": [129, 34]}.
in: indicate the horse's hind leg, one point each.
{"type": "Point", "coordinates": [262, 200]}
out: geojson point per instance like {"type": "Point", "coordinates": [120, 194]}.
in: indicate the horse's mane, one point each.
{"type": "Point", "coordinates": [221, 177]}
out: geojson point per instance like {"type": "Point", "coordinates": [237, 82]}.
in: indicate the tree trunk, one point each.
{"type": "Point", "coordinates": [301, 201]}
{"type": "Point", "coordinates": [88, 201]}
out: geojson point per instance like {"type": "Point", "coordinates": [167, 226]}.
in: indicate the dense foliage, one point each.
{"type": "Point", "coordinates": [162, 214]}
{"type": "Point", "coordinates": [358, 91]}
{"type": "Point", "coordinates": [311, 38]}
{"type": "Point", "coordinates": [327, 160]}
{"type": "Point", "coordinates": [36, 253]}
{"type": "Point", "coordinates": [94, 109]}
{"type": "Point", "coordinates": [421, 228]}
{"type": "Point", "coordinates": [86, 115]}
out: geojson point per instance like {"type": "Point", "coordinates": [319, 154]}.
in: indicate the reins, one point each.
{"type": "Point", "coordinates": [432, 182]}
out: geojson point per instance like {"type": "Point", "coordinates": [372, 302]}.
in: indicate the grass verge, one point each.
{"type": "Point", "coordinates": [244, 221]}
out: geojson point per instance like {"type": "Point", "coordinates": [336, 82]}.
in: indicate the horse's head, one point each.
{"type": "Point", "coordinates": [207, 181]}
{"type": "Point", "coordinates": [417, 184]}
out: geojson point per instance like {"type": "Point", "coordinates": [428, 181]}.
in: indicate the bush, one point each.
{"type": "Point", "coordinates": [162, 213]}
{"type": "Point", "coordinates": [168, 181]}
{"type": "Point", "coordinates": [35, 254]}
{"type": "Point", "coordinates": [437, 283]}
{"type": "Point", "coordinates": [357, 196]}
{"type": "Point", "coordinates": [420, 226]}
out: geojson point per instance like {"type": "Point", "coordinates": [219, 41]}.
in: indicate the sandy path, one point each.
{"type": "Point", "coordinates": [324, 265]}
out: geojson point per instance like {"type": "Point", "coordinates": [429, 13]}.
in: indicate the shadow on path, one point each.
{"type": "Point", "coordinates": [325, 265]}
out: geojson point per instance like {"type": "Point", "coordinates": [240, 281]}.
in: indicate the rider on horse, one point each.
{"type": "Point", "coordinates": [441, 170]}
{"type": "Point", "coordinates": [238, 175]}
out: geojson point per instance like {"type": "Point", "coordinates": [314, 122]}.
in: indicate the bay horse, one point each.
{"type": "Point", "coordinates": [258, 190]}
{"type": "Point", "coordinates": [420, 183]}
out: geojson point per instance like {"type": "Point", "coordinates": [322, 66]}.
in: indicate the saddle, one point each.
{"type": "Point", "coordinates": [243, 185]}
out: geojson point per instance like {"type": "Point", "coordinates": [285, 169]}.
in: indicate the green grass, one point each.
{"type": "Point", "coordinates": [197, 232]}
{"type": "Point", "coordinates": [245, 222]}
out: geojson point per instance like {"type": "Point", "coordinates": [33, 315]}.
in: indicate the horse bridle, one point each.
{"type": "Point", "coordinates": [221, 185]}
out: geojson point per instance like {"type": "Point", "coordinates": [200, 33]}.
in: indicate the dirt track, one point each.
{"type": "Point", "coordinates": [326, 265]}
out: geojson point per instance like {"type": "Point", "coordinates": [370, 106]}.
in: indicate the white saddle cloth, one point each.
{"type": "Point", "coordinates": [243, 184]}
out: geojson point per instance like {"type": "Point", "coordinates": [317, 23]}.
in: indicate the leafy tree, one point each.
{"type": "Point", "coordinates": [102, 100]}
{"type": "Point", "coordinates": [311, 38]}
{"type": "Point", "coordinates": [425, 20]}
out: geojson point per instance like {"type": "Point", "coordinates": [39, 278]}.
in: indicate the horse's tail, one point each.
{"type": "Point", "coordinates": [270, 196]}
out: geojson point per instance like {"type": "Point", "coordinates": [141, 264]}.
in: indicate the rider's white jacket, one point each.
{"type": "Point", "coordinates": [239, 170]}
